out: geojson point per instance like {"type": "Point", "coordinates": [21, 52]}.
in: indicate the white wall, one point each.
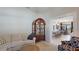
{"type": "Point", "coordinates": [77, 20]}
{"type": "Point", "coordinates": [14, 20]}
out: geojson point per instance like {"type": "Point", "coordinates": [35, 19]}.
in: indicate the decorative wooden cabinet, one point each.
{"type": "Point", "coordinates": [38, 28]}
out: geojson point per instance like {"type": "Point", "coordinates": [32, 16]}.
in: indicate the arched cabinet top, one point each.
{"type": "Point", "coordinates": [39, 20]}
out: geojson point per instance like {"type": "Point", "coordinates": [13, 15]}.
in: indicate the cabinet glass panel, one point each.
{"type": "Point", "coordinates": [37, 32]}
{"type": "Point", "coordinates": [37, 27]}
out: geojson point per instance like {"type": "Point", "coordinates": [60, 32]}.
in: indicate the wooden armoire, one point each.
{"type": "Point", "coordinates": [38, 28]}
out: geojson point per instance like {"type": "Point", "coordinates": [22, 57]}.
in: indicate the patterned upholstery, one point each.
{"type": "Point", "coordinates": [74, 43]}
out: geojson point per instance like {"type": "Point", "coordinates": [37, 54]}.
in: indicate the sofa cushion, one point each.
{"type": "Point", "coordinates": [24, 36]}
{"type": "Point", "coordinates": [19, 37]}
{"type": "Point", "coordinates": [16, 37]}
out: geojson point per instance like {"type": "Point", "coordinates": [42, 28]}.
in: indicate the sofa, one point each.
{"type": "Point", "coordinates": [72, 45]}
{"type": "Point", "coordinates": [14, 41]}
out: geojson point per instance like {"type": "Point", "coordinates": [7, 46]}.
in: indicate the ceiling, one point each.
{"type": "Point", "coordinates": [52, 11]}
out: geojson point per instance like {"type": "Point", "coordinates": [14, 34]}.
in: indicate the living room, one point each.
{"type": "Point", "coordinates": [16, 25]}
